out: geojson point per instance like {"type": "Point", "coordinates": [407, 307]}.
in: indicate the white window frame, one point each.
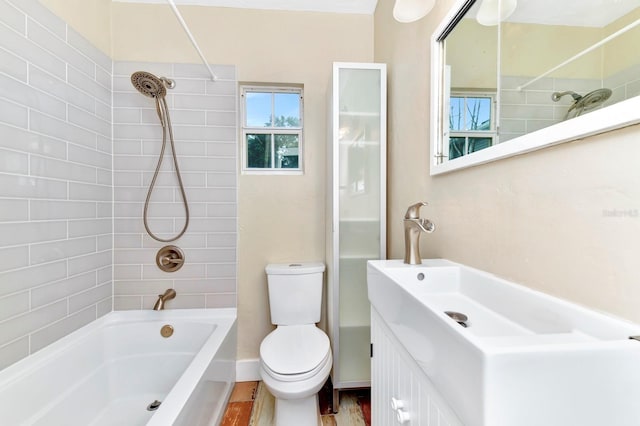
{"type": "Point", "coordinates": [466, 134]}
{"type": "Point", "coordinates": [245, 130]}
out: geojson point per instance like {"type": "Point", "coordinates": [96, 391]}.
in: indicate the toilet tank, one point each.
{"type": "Point", "coordinates": [295, 292]}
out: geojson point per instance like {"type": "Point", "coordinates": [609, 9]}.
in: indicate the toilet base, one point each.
{"type": "Point", "coordinates": [297, 412]}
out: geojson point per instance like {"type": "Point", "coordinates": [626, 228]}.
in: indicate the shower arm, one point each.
{"type": "Point", "coordinates": [191, 38]}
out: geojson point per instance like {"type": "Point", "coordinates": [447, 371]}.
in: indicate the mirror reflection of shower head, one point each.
{"type": "Point", "coordinates": [590, 100]}
{"type": "Point", "coordinates": [150, 85]}
{"type": "Point", "coordinates": [594, 98]}
{"type": "Point", "coordinates": [584, 103]}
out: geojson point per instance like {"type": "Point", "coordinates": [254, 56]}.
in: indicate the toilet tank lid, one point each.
{"type": "Point", "coordinates": [295, 268]}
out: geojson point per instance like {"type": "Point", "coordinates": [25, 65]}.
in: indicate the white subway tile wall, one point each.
{"type": "Point", "coordinates": [203, 114]}
{"type": "Point", "coordinates": [625, 84]}
{"type": "Point", "coordinates": [78, 147]}
{"type": "Point", "coordinates": [55, 180]}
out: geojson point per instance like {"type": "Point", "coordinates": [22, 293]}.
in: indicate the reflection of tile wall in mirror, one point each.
{"type": "Point", "coordinates": [525, 111]}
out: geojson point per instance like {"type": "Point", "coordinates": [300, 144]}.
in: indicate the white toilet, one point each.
{"type": "Point", "coordinates": [295, 358]}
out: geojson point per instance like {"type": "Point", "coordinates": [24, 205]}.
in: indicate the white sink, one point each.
{"type": "Point", "coordinates": [524, 359]}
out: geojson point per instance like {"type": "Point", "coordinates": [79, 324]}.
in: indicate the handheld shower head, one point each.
{"type": "Point", "coordinates": [156, 88]}
{"type": "Point", "coordinates": [150, 85]}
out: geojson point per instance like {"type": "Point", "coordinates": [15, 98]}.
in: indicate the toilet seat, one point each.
{"type": "Point", "coordinates": [295, 352]}
{"type": "Point", "coordinates": [298, 376]}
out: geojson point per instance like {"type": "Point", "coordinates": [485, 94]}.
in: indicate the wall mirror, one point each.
{"type": "Point", "coordinates": [512, 76]}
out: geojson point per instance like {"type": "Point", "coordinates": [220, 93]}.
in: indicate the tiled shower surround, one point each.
{"type": "Point", "coordinates": [525, 111]}
{"type": "Point", "coordinates": [203, 114]}
{"type": "Point", "coordinates": [69, 163]}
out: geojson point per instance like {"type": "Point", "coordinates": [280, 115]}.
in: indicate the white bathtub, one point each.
{"type": "Point", "coordinates": [109, 371]}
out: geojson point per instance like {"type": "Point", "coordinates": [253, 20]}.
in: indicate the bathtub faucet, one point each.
{"type": "Point", "coordinates": [168, 295]}
{"type": "Point", "coordinates": [413, 226]}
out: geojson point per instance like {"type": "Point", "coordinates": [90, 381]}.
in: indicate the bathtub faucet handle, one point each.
{"type": "Point", "coordinates": [170, 258]}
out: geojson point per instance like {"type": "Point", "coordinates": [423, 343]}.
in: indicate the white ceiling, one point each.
{"type": "Point", "coordinates": [336, 6]}
{"type": "Point", "coordinates": [587, 13]}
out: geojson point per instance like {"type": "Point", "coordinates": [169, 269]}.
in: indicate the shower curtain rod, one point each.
{"type": "Point", "coordinates": [584, 52]}
{"type": "Point", "coordinates": [193, 40]}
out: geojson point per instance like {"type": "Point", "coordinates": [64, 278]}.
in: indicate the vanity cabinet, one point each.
{"type": "Point", "coordinates": [356, 213]}
{"type": "Point", "coordinates": [401, 394]}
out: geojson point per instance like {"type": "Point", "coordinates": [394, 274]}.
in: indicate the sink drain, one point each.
{"type": "Point", "coordinates": [458, 317]}
{"type": "Point", "coordinates": [154, 405]}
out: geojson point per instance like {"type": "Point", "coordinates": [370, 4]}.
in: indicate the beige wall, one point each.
{"type": "Point", "coordinates": [474, 68]}
{"type": "Point", "coordinates": [281, 218]}
{"type": "Point", "coordinates": [618, 54]}
{"type": "Point", "coordinates": [565, 220]}
{"type": "Point", "coordinates": [532, 49]}
{"type": "Point", "coordinates": [526, 51]}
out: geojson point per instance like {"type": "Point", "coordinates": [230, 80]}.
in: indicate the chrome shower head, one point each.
{"type": "Point", "coordinates": [588, 101]}
{"type": "Point", "coordinates": [584, 103]}
{"type": "Point", "coordinates": [593, 99]}
{"type": "Point", "coordinates": [150, 85]}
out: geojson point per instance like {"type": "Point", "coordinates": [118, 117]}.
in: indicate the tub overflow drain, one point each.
{"type": "Point", "coordinates": [154, 405]}
{"type": "Point", "coordinates": [166, 331]}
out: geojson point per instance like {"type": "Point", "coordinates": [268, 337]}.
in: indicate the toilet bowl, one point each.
{"type": "Point", "coordinates": [295, 358]}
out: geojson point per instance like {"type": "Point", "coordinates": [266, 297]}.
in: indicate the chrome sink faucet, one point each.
{"type": "Point", "coordinates": [168, 295]}
{"type": "Point", "coordinates": [413, 226]}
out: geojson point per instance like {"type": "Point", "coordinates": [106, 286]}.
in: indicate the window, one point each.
{"type": "Point", "coordinates": [471, 123]}
{"type": "Point", "coordinates": [271, 129]}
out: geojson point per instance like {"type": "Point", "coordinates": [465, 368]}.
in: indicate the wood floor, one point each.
{"type": "Point", "coordinates": [251, 404]}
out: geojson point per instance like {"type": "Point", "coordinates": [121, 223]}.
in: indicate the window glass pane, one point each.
{"type": "Point", "coordinates": [456, 147]}
{"type": "Point", "coordinates": [456, 115]}
{"type": "Point", "coordinates": [287, 152]}
{"type": "Point", "coordinates": [258, 109]}
{"type": "Point", "coordinates": [476, 144]}
{"type": "Point", "coordinates": [478, 114]}
{"type": "Point", "coordinates": [258, 151]}
{"type": "Point", "coordinates": [287, 110]}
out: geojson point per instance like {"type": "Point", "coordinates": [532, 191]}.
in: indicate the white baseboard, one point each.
{"type": "Point", "coordinates": [248, 370]}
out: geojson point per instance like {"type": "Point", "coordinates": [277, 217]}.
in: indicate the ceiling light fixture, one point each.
{"type": "Point", "coordinates": [411, 10]}
{"type": "Point", "coordinates": [492, 12]}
